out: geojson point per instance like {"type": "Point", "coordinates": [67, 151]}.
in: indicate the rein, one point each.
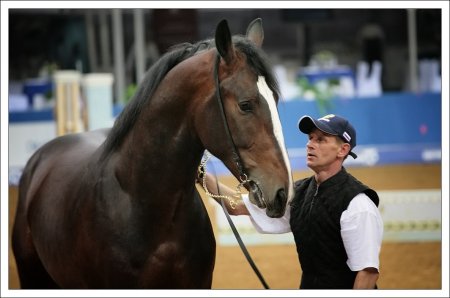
{"type": "Point", "coordinates": [233, 203]}
{"type": "Point", "coordinates": [243, 178]}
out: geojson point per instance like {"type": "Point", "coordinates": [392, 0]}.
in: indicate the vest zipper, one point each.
{"type": "Point", "coordinates": [313, 199]}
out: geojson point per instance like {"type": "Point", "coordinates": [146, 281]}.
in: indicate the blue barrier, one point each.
{"type": "Point", "coordinates": [393, 128]}
{"type": "Point", "coordinates": [394, 118]}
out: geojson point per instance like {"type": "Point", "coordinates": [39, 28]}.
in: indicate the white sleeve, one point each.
{"type": "Point", "coordinates": [264, 224]}
{"type": "Point", "coordinates": [362, 233]}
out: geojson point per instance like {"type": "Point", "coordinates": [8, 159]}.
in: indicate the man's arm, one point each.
{"type": "Point", "coordinates": [211, 185]}
{"type": "Point", "coordinates": [366, 278]}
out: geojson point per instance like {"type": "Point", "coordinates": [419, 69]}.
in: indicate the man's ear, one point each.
{"type": "Point", "coordinates": [345, 149]}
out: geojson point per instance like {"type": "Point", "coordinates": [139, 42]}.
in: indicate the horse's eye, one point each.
{"type": "Point", "coordinates": [246, 106]}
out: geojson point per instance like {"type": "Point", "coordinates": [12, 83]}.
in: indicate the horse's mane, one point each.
{"type": "Point", "coordinates": [256, 59]}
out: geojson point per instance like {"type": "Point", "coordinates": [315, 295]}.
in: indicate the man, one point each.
{"type": "Point", "coordinates": [334, 217]}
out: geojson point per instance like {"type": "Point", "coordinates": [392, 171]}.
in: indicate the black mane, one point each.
{"type": "Point", "coordinates": [256, 59]}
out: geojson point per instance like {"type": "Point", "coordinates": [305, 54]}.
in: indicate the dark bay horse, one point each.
{"type": "Point", "coordinates": [119, 208]}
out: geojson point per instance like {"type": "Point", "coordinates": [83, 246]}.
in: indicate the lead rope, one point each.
{"type": "Point", "coordinates": [233, 203]}
{"type": "Point", "coordinates": [202, 172]}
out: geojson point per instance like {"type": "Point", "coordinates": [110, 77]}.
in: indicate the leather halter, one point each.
{"type": "Point", "coordinates": [236, 157]}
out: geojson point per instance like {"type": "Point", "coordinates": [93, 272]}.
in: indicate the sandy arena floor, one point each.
{"type": "Point", "coordinates": [414, 265]}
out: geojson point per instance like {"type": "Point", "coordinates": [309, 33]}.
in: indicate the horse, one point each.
{"type": "Point", "coordinates": [119, 207]}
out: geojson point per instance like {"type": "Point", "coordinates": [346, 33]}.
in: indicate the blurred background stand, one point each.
{"type": "Point", "coordinates": [97, 91]}
{"type": "Point", "coordinates": [68, 111]}
{"type": "Point", "coordinates": [368, 79]}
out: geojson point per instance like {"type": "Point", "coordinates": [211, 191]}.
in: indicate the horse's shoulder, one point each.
{"type": "Point", "coordinates": [78, 142]}
{"type": "Point", "coordinates": [74, 150]}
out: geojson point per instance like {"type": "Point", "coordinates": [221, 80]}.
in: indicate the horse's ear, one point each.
{"type": "Point", "coordinates": [255, 32]}
{"type": "Point", "coordinates": [223, 41]}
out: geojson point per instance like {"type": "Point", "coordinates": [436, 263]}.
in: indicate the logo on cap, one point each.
{"type": "Point", "coordinates": [347, 136]}
{"type": "Point", "coordinates": [327, 117]}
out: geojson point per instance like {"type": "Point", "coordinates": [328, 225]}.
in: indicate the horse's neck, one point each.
{"type": "Point", "coordinates": [159, 154]}
{"type": "Point", "coordinates": [162, 151]}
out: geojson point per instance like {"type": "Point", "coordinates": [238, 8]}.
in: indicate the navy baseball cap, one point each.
{"type": "Point", "coordinates": [333, 125]}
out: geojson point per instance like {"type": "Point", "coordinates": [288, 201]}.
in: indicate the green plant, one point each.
{"type": "Point", "coordinates": [129, 92]}
{"type": "Point", "coordinates": [321, 92]}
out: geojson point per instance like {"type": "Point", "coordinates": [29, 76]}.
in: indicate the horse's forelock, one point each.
{"type": "Point", "coordinates": [258, 61]}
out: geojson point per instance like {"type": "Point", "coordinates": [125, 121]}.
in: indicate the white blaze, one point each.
{"type": "Point", "coordinates": [277, 131]}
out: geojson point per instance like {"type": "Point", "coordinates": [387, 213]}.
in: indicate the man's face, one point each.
{"type": "Point", "coordinates": [323, 150]}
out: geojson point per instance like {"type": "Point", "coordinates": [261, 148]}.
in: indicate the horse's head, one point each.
{"type": "Point", "coordinates": [248, 91]}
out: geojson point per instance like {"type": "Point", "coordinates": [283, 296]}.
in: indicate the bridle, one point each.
{"type": "Point", "coordinates": [243, 177]}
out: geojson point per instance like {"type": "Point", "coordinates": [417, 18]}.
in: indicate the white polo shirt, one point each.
{"type": "Point", "coordinates": [361, 229]}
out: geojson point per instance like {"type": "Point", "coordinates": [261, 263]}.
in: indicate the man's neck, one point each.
{"type": "Point", "coordinates": [324, 174]}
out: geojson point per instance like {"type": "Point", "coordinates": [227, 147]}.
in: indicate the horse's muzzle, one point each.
{"type": "Point", "coordinates": [275, 207]}
{"type": "Point", "coordinates": [278, 206]}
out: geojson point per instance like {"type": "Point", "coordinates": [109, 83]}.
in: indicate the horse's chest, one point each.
{"type": "Point", "coordinates": [172, 265]}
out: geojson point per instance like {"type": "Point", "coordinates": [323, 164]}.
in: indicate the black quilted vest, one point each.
{"type": "Point", "coordinates": [315, 224]}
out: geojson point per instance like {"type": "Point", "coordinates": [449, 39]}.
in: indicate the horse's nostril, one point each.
{"type": "Point", "coordinates": [278, 205]}
{"type": "Point", "coordinates": [281, 194]}
{"type": "Point", "coordinates": [280, 199]}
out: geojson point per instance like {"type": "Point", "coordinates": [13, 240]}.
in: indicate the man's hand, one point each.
{"type": "Point", "coordinates": [237, 206]}
{"type": "Point", "coordinates": [366, 279]}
